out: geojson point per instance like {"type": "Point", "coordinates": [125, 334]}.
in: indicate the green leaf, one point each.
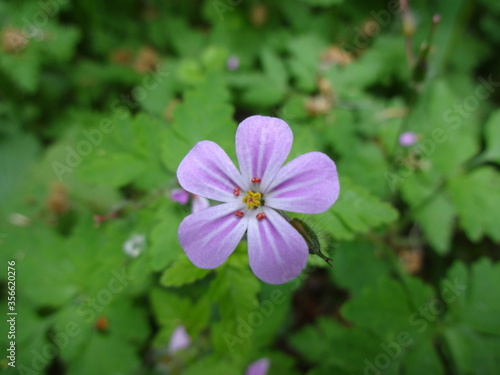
{"type": "Point", "coordinates": [435, 215]}
{"type": "Point", "coordinates": [358, 256]}
{"type": "Point", "coordinates": [476, 197]}
{"type": "Point", "coordinates": [82, 346]}
{"type": "Point", "coordinates": [23, 68]}
{"type": "Point", "coordinates": [234, 289]}
{"type": "Point", "coordinates": [492, 137]}
{"type": "Point", "coordinates": [365, 167]}
{"type": "Point", "coordinates": [128, 154]}
{"type": "Point", "coordinates": [482, 308]}
{"type": "Point", "coordinates": [453, 146]}
{"type": "Point", "coordinates": [304, 62]}
{"type": "Point", "coordinates": [182, 272]}
{"type": "Point", "coordinates": [204, 114]}
{"type": "Point", "coordinates": [322, 3]}
{"type": "Point", "coordinates": [358, 210]}
{"type": "Point", "coordinates": [165, 247]}
{"type": "Point", "coordinates": [55, 284]}
{"type": "Point", "coordinates": [353, 347]}
{"type": "Point", "coordinates": [212, 365]}
{"type": "Point", "coordinates": [423, 359]}
{"type": "Point", "coordinates": [471, 352]}
{"type": "Point", "coordinates": [397, 308]}
{"type": "Point", "coordinates": [267, 89]}
{"type": "Point", "coordinates": [119, 169]}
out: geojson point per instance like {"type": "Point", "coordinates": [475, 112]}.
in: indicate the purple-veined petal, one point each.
{"type": "Point", "coordinates": [277, 251]}
{"type": "Point", "coordinates": [179, 340]}
{"type": "Point", "coordinates": [209, 236]}
{"type": "Point", "coordinates": [262, 145]}
{"type": "Point", "coordinates": [199, 203]}
{"type": "Point", "coordinates": [307, 184]}
{"type": "Point", "coordinates": [259, 367]}
{"type": "Point", "coordinates": [207, 171]}
{"type": "Point", "coordinates": [179, 195]}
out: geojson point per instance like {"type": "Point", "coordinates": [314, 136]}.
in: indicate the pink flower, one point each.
{"type": "Point", "coordinates": [179, 340]}
{"type": "Point", "coordinates": [259, 367]}
{"type": "Point", "coordinates": [307, 184]}
{"type": "Point", "coordinates": [233, 63]}
{"type": "Point", "coordinates": [182, 196]}
{"type": "Point", "coordinates": [407, 139]}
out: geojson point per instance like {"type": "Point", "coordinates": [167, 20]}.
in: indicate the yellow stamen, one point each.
{"type": "Point", "coordinates": [252, 199]}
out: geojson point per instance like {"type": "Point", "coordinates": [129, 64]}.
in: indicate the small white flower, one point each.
{"type": "Point", "coordinates": [134, 245]}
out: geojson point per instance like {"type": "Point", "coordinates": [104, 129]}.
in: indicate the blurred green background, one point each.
{"type": "Point", "coordinates": [100, 101]}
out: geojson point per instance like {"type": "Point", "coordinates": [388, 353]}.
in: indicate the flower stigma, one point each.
{"type": "Point", "coordinates": [253, 199]}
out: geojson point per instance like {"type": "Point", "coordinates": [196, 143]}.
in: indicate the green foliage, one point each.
{"type": "Point", "coordinates": [357, 211]}
{"type": "Point", "coordinates": [204, 114]}
{"type": "Point", "coordinates": [476, 198]}
{"type": "Point", "coordinates": [100, 102]}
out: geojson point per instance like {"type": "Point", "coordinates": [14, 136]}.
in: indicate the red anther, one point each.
{"type": "Point", "coordinates": [237, 191]}
{"type": "Point", "coordinates": [256, 180]}
{"type": "Point", "coordinates": [239, 213]}
{"type": "Point", "coordinates": [261, 216]}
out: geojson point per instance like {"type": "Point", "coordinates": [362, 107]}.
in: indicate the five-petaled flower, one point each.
{"type": "Point", "coordinates": [307, 184]}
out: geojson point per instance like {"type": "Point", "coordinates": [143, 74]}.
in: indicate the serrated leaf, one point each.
{"type": "Point", "coordinates": [267, 89]}
{"type": "Point", "coordinates": [23, 68]}
{"type": "Point", "coordinates": [128, 154]}
{"type": "Point", "coordinates": [331, 346]}
{"type": "Point", "coordinates": [476, 197]}
{"type": "Point", "coordinates": [366, 166]}
{"type": "Point", "coordinates": [182, 272]}
{"type": "Point", "coordinates": [472, 353]}
{"type": "Point", "coordinates": [304, 63]}
{"type": "Point", "coordinates": [423, 359]}
{"type": "Point", "coordinates": [435, 215]}
{"type": "Point", "coordinates": [204, 114]}
{"type": "Point", "coordinates": [119, 169]}
{"type": "Point", "coordinates": [235, 288]}
{"type": "Point", "coordinates": [483, 308]}
{"type": "Point", "coordinates": [169, 308]}
{"type": "Point", "coordinates": [396, 308]}
{"type": "Point", "coordinates": [165, 247]}
{"type": "Point", "coordinates": [353, 256]}
{"type": "Point", "coordinates": [360, 211]}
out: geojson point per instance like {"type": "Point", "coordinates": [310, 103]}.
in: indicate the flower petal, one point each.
{"type": "Point", "coordinates": [207, 171]}
{"type": "Point", "coordinates": [307, 184]}
{"type": "Point", "coordinates": [209, 236]}
{"type": "Point", "coordinates": [277, 251]}
{"type": "Point", "coordinates": [259, 367]}
{"type": "Point", "coordinates": [179, 340]}
{"type": "Point", "coordinates": [262, 145]}
{"type": "Point", "coordinates": [199, 203]}
{"type": "Point", "coordinates": [179, 195]}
